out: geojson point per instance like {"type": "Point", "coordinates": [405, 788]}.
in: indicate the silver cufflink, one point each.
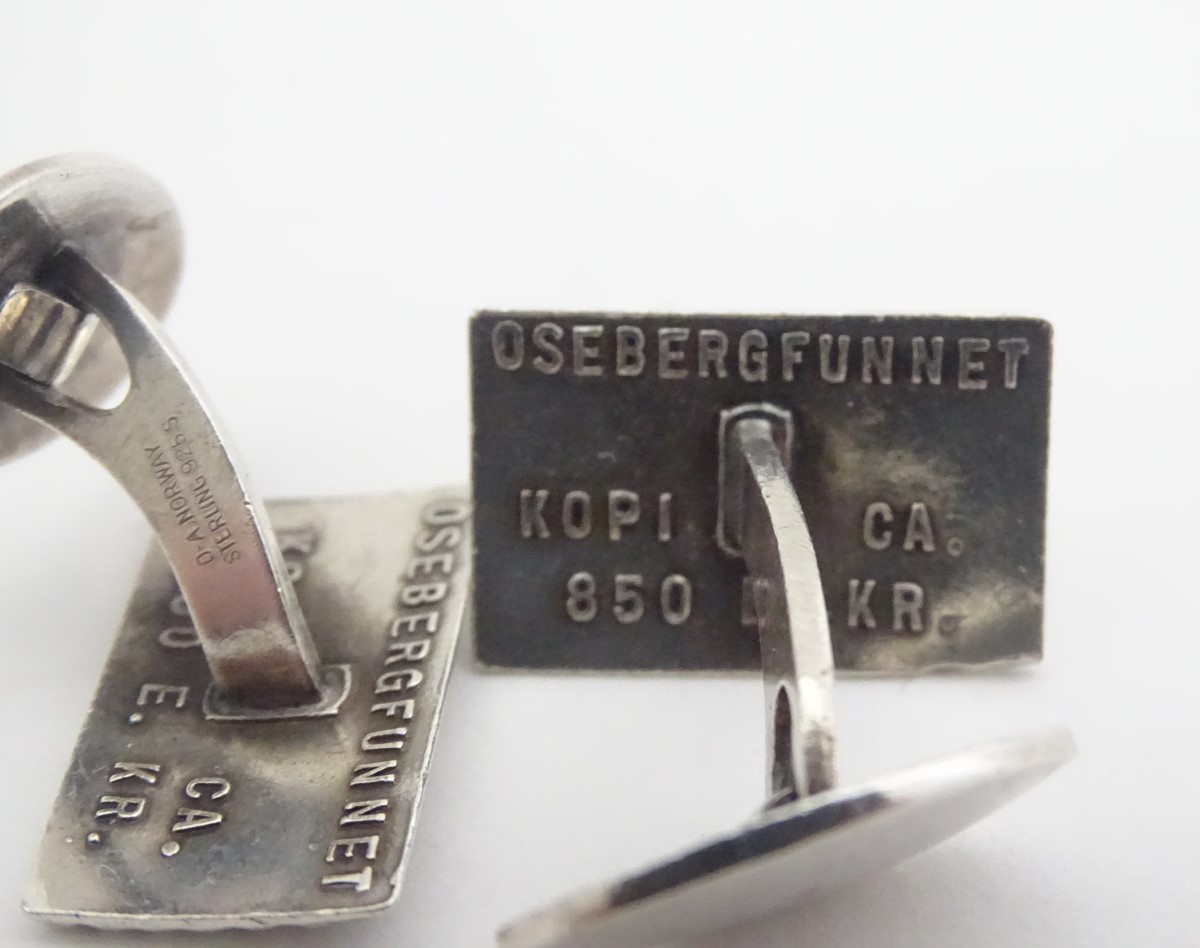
{"type": "Point", "coordinates": [790, 493]}
{"type": "Point", "coordinates": [258, 744]}
{"type": "Point", "coordinates": [652, 493]}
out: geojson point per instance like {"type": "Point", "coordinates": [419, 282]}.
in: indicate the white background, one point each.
{"type": "Point", "coordinates": [355, 180]}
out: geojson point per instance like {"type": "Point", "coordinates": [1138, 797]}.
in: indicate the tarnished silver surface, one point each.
{"type": "Point", "coordinates": [600, 542]}
{"type": "Point", "coordinates": [810, 837]}
{"type": "Point", "coordinates": [122, 222]}
{"type": "Point", "coordinates": [167, 819]}
{"type": "Point", "coordinates": [224, 777]}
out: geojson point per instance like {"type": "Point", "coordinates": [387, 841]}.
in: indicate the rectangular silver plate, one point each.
{"type": "Point", "coordinates": [167, 819]}
{"type": "Point", "coordinates": [920, 447]}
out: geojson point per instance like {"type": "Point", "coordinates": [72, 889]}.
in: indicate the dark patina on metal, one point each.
{"type": "Point", "coordinates": [918, 451]}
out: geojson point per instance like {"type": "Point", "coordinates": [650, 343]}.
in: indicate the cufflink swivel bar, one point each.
{"type": "Point", "coordinates": [162, 445]}
{"type": "Point", "coordinates": [224, 777]}
{"type": "Point", "coordinates": [764, 519]}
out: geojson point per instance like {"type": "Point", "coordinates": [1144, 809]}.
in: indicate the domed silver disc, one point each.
{"type": "Point", "coordinates": [117, 217]}
{"type": "Point", "coordinates": [795, 850]}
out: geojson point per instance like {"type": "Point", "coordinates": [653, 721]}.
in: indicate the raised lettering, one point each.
{"type": "Point", "coordinates": [792, 345]}
{"type": "Point", "coordinates": [624, 510]}
{"type": "Point", "coordinates": [392, 709]}
{"type": "Point", "coordinates": [407, 625]}
{"type": "Point", "coordinates": [920, 530]}
{"type": "Point", "coordinates": [927, 359]}
{"type": "Point", "coordinates": [874, 528]}
{"type": "Point", "coordinates": [829, 371]}
{"type": "Point", "coordinates": [585, 352]}
{"type": "Point", "coordinates": [714, 346]}
{"type": "Point", "coordinates": [508, 345]}
{"type": "Point", "coordinates": [430, 540]}
{"type": "Point", "coordinates": [160, 693]}
{"type": "Point", "coordinates": [877, 359]}
{"type": "Point", "coordinates": [382, 772]}
{"type": "Point", "coordinates": [631, 351]}
{"type": "Point", "coordinates": [390, 739]}
{"type": "Point", "coordinates": [400, 680]}
{"type": "Point", "coordinates": [407, 651]}
{"type": "Point", "coordinates": [364, 811]}
{"type": "Point", "coordinates": [344, 848]}
{"type": "Point", "coordinates": [1013, 350]}
{"type": "Point", "coordinates": [860, 604]}
{"type": "Point", "coordinates": [577, 514]}
{"type": "Point", "coordinates": [969, 369]}
{"type": "Point", "coordinates": [422, 593]}
{"type": "Point", "coordinates": [907, 599]}
{"type": "Point", "coordinates": [188, 819]}
{"type": "Point", "coordinates": [752, 356]}
{"type": "Point", "coordinates": [664, 517]}
{"type": "Point", "coordinates": [671, 357]}
{"type": "Point", "coordinates": [120, 808]}
{"type": "Point", "coordinates": [546, 337]}
{"type": "Point", "coordinates": [361, 881]}
{"type": "Point", "coordinates": [147, 773]}
{"type": "Point", "coordinates": [214, 788]}
{"type": "Point", "coordinates": [441, 563]}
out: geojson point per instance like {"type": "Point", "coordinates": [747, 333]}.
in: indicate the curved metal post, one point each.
{"type": "Point", "coordinates": [760, 508]}
{"type": "Point", "coordinates": [163, 446]}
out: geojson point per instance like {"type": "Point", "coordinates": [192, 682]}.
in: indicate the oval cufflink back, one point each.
{"type": "Point", "coordinates": [795, 851]}
{"type": "Point", "coordinates": [224, 777]}
{"type": "Point", "coordinates": [122, 221]}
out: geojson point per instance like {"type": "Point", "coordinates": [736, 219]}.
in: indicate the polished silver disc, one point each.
{"type": "Point", "coordinates": [121, 221]}
{"type": "Point", "coordinates": [795, 850]}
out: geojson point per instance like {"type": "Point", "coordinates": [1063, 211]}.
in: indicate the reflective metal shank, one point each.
{"type": "Point", "coordinates": [793, 627]}
{"type": "Point", "coordinates": [163, 446]}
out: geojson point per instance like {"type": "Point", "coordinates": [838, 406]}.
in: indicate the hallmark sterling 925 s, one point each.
{"type": "Point", "coordinates": [662, 485]}
{"type": "Point", "coordinates": [257, 748]}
